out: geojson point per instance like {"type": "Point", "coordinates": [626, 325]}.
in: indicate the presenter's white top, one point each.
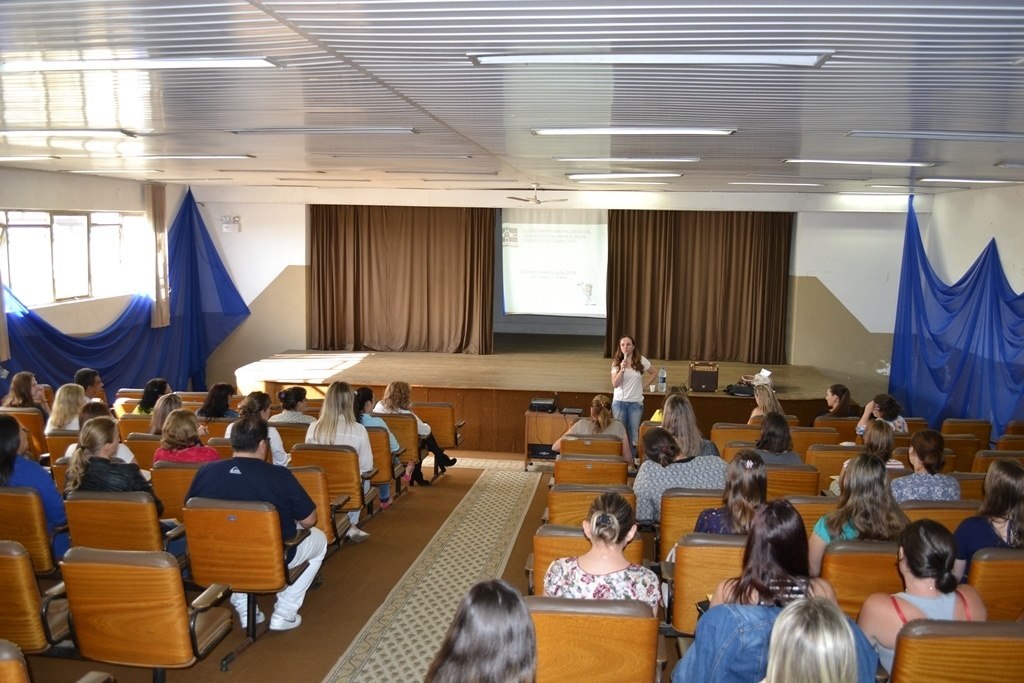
{"type": "Point", "coordinates": [632, 388]}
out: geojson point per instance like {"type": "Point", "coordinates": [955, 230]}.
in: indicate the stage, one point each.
{"type": "Point", "coordinates": [493, 392]}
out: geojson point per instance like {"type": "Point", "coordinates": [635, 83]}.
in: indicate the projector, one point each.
{"type": "Point", "coordinates": [542, 405]}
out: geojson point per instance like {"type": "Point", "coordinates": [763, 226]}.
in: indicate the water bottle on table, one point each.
{"type": "Point", "coordinates": [662, 379]}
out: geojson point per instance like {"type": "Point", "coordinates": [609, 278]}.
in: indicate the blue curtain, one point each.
{"type": "Point", "coordinates": [958, 350]}
{"type": "Point", "coordinates": [205, 308]}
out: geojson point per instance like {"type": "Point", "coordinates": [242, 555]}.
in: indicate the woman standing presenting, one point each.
{"type": "Point", "coordinates": [630, 372]}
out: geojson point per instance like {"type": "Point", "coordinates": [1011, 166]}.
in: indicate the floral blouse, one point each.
{"type": "Point", "coordinates": [565, 579]}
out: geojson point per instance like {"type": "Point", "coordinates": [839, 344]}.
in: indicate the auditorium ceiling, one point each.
{"type": "Point", "coordinates": [718, 96]}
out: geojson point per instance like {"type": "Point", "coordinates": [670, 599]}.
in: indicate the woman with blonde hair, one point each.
{"type": "Point", "coordinates": [765, 402]}
{"type": "Point", "coordinates": [1000, 520]}
{"type": "Point", "coordinates": [746, 488]}
{"type": "Point", "coordinates": [257, 404]}
{"type": "Point", "coordinates": [165, 405]}
{"type": "Point", "coordinates": [812, 642]}
{"type": "Point", "coordinates": [25, 392]}
{"type": "Point", "coordinates": [681, 422]}
{"type": "Point", "coordinates": [179, 440]}
{"type": "Point", "coordinates": [92, 469]}
{"type": "Point", "coordinates": [338, 426]}
{"type": "Point", "coordinates": [398, 399]}
{"type": "Point", "coordinates": [69, 400]}
{"type": "Point", "coordinates": [600, 421]}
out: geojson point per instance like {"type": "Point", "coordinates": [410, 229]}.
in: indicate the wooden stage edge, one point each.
{"type": "Point", "coordinates": [492, 393]}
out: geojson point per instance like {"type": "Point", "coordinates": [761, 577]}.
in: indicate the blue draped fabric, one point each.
{"type": "Point", "coordinates": [958, 350]}
{"type": "Point", "coordinates": [205, 308]}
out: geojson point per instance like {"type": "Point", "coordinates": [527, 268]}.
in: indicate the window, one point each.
{"type": "Point", "coordinates": [50, 256]}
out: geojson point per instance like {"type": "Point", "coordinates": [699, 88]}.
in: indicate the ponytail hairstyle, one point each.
{"type": "Point", "coordinates": [254, 404]}
{"type": "Point", "coordinates": [888, 407]}
{"type": "Point", "coordinates": [929, 551]}
{"type": "Point", "coordinates": [151, 393]}
{"type": "Point", "coordinates": [746, 488]}
{"type": "Point", "coordinates": [95, 434]}
{"type": "Point", "coordinates": [634, 356]}
{"type": "Point", "coordinates": [879, 440]}
{"type": "Point", "coordinates": [165, 405]}
{"type": "Point", "coordinates": [842, 408]}
{"type": "Point", "coordinates": [364, 396]}
{"type": "Point", "coordinates": [1004, 497]}
{"type": "Point", "coordinates": [601, 412]}
{"type": "Point", "coordinates": [291, 397]}
{"type": "Point", "coordinates": [611, 518]}
{"type": "Point", "coordinates": [660, 446]}
{"type": "Point", "coordinates": [928, 446]}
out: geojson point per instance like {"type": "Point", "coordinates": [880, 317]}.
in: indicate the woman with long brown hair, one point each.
{"type": "Point", "coordinates": [746, 488]}
{"type": "Point", "coordinates": [25, 392]}
{"type": "Point", "coordinates": [1000, 520]}
{"type": "Point", "coordinates": [631, 372]}
{"type": "Point", "coordinates": [601, 421]}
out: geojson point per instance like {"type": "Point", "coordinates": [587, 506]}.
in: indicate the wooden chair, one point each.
{"type": "Point", "coordinates": [811, 508]}
{"type": "Point", "coordinates": [915, 424]}
{"type": "Point", "coordinates": [124, 406]}
{"type": "Point", "coordinates": [845, 426]}
{"type": "Point", "coordinates": [592, 444]}
{"type": "Point", "coordinates": [59, 470]}
{"type": "Point", "coordinates": [967, 652]}
{"type": "Point", "coordinates": [129, 609]}
{"type": "Point", "coordinates": [133, 424]}
{"type": "Point", "coordinates": [23, 520]}
{"type": "Point", "coordinates": [58, 441]}
{"type": "Point", "coordinates": [982, 459]}
{"type": "Point", "coordinates": [222, 446]}
{"type": "Point", "coordinates": [734, 447]}
{"type": "Point", "coordinates": [982, 429]}
{"type": "Point", "coordinates": [791, 420]}
{"type": "Point", "coordinates": [129, 392]}
{"type": "Point", "coordinates": [792, 480]}
{"type": "Point", "coordinates": [239, 544]}
{"type": "Point", "coordinates": [805, 437]}
{"type": "Point", "coordinates": [948, 513]}
{"type": "Point", "coordinates": [598, 641]}
{"type": "Point", "coordinates": [32, 420]}
{"type": "Point", "coordinates": [1010, 442]}
{"type": "Point", "coordinates": [702, 562]}
{"type": "Point", "coordinates": [724, 432]}
{"type": "Point", "coordinates": [996, 574]}
{"type": "Point", "coordinates": [34, 623]}
{"type": "Point", "coordinates": [122, 520]}
{"type": "Point", "coordinates": [829, 460]}
{"type": "Point", "coordinates": [553, 541]}
{"type": "Point", "coordinates": [1015, 428]}
{"type": "Point", "coordinates": [14, 668]}
{"type": "Point", "coordinates": [856, 569]}
{"type": "Point", "coordinates": [292, 433]}
{"type": "Point", "coordinates": [341, 463]}
{"type": "Point", "coordinates": [380, 444]}
{"type": "Point", "coordinates": [171, 481]}
{"type": "Point", "coordinates": [404, 429]}
{"type": "Point", "coordinates": [329, 516]}
{"type": "Point", "coordinates": [568, 504]}
{"type": "Point", "coordinates": [965, 446]}
{"type": "Point", "coordinates": [971, 484]}
{"type": "Point", "coordinates": [216, 427]}
{"type": "Point", "coordinates": [440, 415]}
{"type": "Point", "coordinates": [590, 469]}
{"type": "Point", "coordinates": [949, 463]}
{"type": "Point", "coordinates": [645, 427]}
{"type": "Point", "coordinates": [680, 509]}
{"type": "Point", "coordinates": [143, 447]}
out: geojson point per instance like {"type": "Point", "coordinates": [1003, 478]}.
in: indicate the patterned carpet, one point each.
{"type": "Point", "coordinates": [400, 639]}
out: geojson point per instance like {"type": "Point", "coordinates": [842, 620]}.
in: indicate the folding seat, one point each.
{"type": "Point", "coordinates": [680, 509]}
{"type": "Point", "coordinates": [791, 480]}
{"type": "Point", "coordinates": [568, 504]}
{"type": "Point", "coordinates": [805, 437]}
{"type": "Point", "coordinates": [33, 622]}
{"type": "Point", "coordinates": [552, 541]}
{"type": "Point", "coordinates": [330, 517]}
{"type": "Point", "coordinates": [702, 562]}
{"type": "Point", "coordinates": [856, 569]}
{"type": "Point", "coordinates": [962, 651]}
{"type": "Point", "coordinates": [341, 464]}
{"type": "Point", "coordinates": [998, 576]}
{"type": "Point", "coordinates": [590, 469]}
{"type": "Point", "coordinates": [948, 513]}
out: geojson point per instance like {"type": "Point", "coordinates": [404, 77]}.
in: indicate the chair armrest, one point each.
{"type": "Point", "coordinates": [881, 675]}
{"type": "Point", "coordinates": [177, 532]}
{"type": "Point", "coordinates": [369, 474]}
{"type": "Point", "coordinates": [460, 424]}
{"type": "Point", "coordinates": [300, 536]}
{"type": "Point", "coordinates": [339, 501]}
{"type": "Point", "coordinates": [400, 451]}
{"type": "Point", "coordinates": [96, 677]}
{"type": "Point", "coordinates": [56, 591]}
{"type": "Point", "coordinates": [210, 597]}
{"type": "Point", "coordinates": [529, 574]}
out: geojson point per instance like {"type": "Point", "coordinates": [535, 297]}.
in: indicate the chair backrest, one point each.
{"type": "Point", "coordinates": [856, 569]}
{"type": "Point", "coordinates": [1010, 442]}
{"type": "Point", "coordinates": [965, 446]}
{"type": "Point", "coordinates": [724, 432]}
{"type": "Point", "coordinates": [971, 484]}
{"type": "Point", "coordinates": [404, 428]}
{"type": "Point", "coordinates": [568, 504]}
{"type": "Point", "coordinates": [948, 513]}
{"type": "Point", "coordinates": [235, 542]}
{"type": "Point", "coordinates": [171, 481]}
{"type": "Point", "coordinates": [222, 445]}
{"type": "Point", "coordinates": [680, 509]}
{"type": "Point", "coordinates": [734, 447]}
{"type": "Point", "coordinates": [811, 508]}
{"type": "Point", "coordinates": [591, 469]}
{"type": "Point", "coordinates": [13, 667]}
{"type": "Point", "coordinates": [21, 616]}
{"type": "Point", "coordinates": [592, 444]}
{"type": "Point", "coordinates": [702, 562]}
{"type": "Point", "coordinates": [440, 415]}
{"type": "Point", "coordinates": [1015, 428]}
{"type": "Point", "coordinates": [314, 481]}
{"type": "Point", "coordinates": [791, 480]}
{"type": "Point", "coordinates": [829, 460]}
{"type": "Point", "coordinates": [553, 541]}
{"type": "Point", "coordinates": [23, 520]}
{"type": "Point", "coordinates": [968, 652]}
{"type": "Point", "coordinates": [58, 440]}
{"type": "Point", "coordinates": [59, 470]}
{"type": "Point", "coordinates": [129, 607]}
{"type": "Point", "coordinates": [846, 426]}
{"type": "Point", "coordinates": [949, 462]}
{"type": "Point", "coordinates": [791, 420]}
{"type": "Point", "coordinates": [982, 459]}
{"type": "Point", "coordinates": [979, 428]}
{"type": "Point", "coordinates": [123, 406]}
{"type": "Point", "coordinates": [216, 427]}
{"type": "Point", "coordinates": [123, 520]}
{"type": "Point", "coordinates": [996, 573]}
{"type": "Point", "coordinates": [32, 420]}
{"type": "Point", "coordinates": [380, 445]}
{"type": "Point", "coordinates": [130, 423]}
{"type": "Point", "coordinates": [129, 392]}
{"type": "Point", "coordinates": [915, 424]}
{"type": "Point", "coordinates": [291, 433]}
{"type": "Point", "coordinates": [567, 649]}
{"type": "Point", "coordinates": [805, 437]}
{"type": "Point", "coordinates": [143, 447]}
{"type": "Point", "coordinates": [340, 463]}
{"type": "Point", "coordinates": [645, 426]}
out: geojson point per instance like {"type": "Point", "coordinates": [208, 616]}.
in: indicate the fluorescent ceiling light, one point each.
{"type": "Point", "coordinates": [849, 162]}
{"type": "Point", "coordinates": [618, 176]}
{"type": "Point", "coordinates": [619, 182]}
{"type": "Point", "coordinates": [340, 130]}
{"type": "Point", "coordinates": [1011, 164]}
{"type": "Point", "coordinates": [38, 157]}
{"type": "Point", "coordinates": [878, 194]}
{"type": "Point", "coordinates": [104, 171]}
{"type": "Point", "coordinates": [469, 180]}
{"type": "Point", "coordinates": [66, 133]}
{"type": "Point", "coordinates": [656, 58]}
{"type": "Point", "coordinates": [969, 180]}
{"type": "Point", "coordinates": [413, 155]}
{"type": "Point", "coordinates": [23, 66]}
{"type": "Point", "coordinates": [632, 160]}
{"type": "Point", "coordinates": [633, 130]}
{"type": "Point", "coordinates": [424, 171]}
{"type": "Point", "coordinates": [782, 184]}
{"type": "Point", "coordinates": [891, 187]}
{"type": "Point", "coordinates": [185, 156]}
{"type": "Point", "coordinates": [952, 135]}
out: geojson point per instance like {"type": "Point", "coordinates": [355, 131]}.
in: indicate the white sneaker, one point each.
{"type": "Point", "coordinates": [244, 616]}
{"type": "Point", "coordinates": [279, 623]}
{"type": "Point", "coordinates": [356, 535]}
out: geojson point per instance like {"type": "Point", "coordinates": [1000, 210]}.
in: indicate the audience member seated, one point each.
{"type": "Point", "coordinates": [364, 408]}
{"type": "Point", "coordinates": [674, 390]}
{"type": "Point", "coordinates": [882, 407]}
{"type": "Point", "coordinates": [925, 561]}
{"type": "Point", "coordinates": [866, 510]}
{"type": "Point", "coordinates": [746, 487]}
{"type": "Point", "coordinates": [765, 401]}
{"type": "Point", "coordinates": [927, 482]}
{"type": "Point", "coordinates": [398, 399]}
{"type": "Point", "coordinates": [100, 409]}
{"type": "Point", "coordinates": [165, 405]}
{"type": "Point", "coordinates": [599, 422]}
{"type": "Point", "coordinates": [669, 467]}
{"type": "Point", "coordinates": [337, 426]}
{"type": "Point", "coordinates": [878, 442]}
{"type": "Point", "coordinates": [1000, 520]}
{"type": "Point", "coordinates": [151, 393]}
{"type": "Point", "coordinates": [17, 470]}
{"type": "Point", "coordinates": [776, 444]}
{"type": "Point", "coordinates": [491, 639]}
{"type": "Point", "coordinates": [92, 469]}
{"type": "Point", "coordinates": [218, 402]}
{"type": "Point", "coordinates": [838, 400]}
{"type": "Point", "coordinates": [603, 572]}
{"type": "Point", "coordinates": [179, 440]}
{"type": "Point", "coordinates": [249, 477]}
{"type": "Point", "coordinates": [257, 404]}
{"type": "Point", "coordinates": [25, 392]}
{"type": "Point", "coordinates": [812, 642]}
{"type": "Point", "coordinates": [66, 403]}
{"type": "Point", "coordinates": [91, 383]}
{"type": "Point", "coordinates": [681, 423]}
{"type": "Point", "coordinates": [293, 404]}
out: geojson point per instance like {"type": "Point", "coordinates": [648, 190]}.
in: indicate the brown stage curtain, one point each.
{"type": "Point", "coordinates": [394, 278]}
{"type": "Point", "coordinates": [705, 285]}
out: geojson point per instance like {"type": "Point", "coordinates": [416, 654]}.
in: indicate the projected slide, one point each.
{"type": "Point", "coordinates": [554, 262]}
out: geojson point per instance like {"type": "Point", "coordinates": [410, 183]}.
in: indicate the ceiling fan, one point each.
{"type": "Point", "coordinates": [535, 199]}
